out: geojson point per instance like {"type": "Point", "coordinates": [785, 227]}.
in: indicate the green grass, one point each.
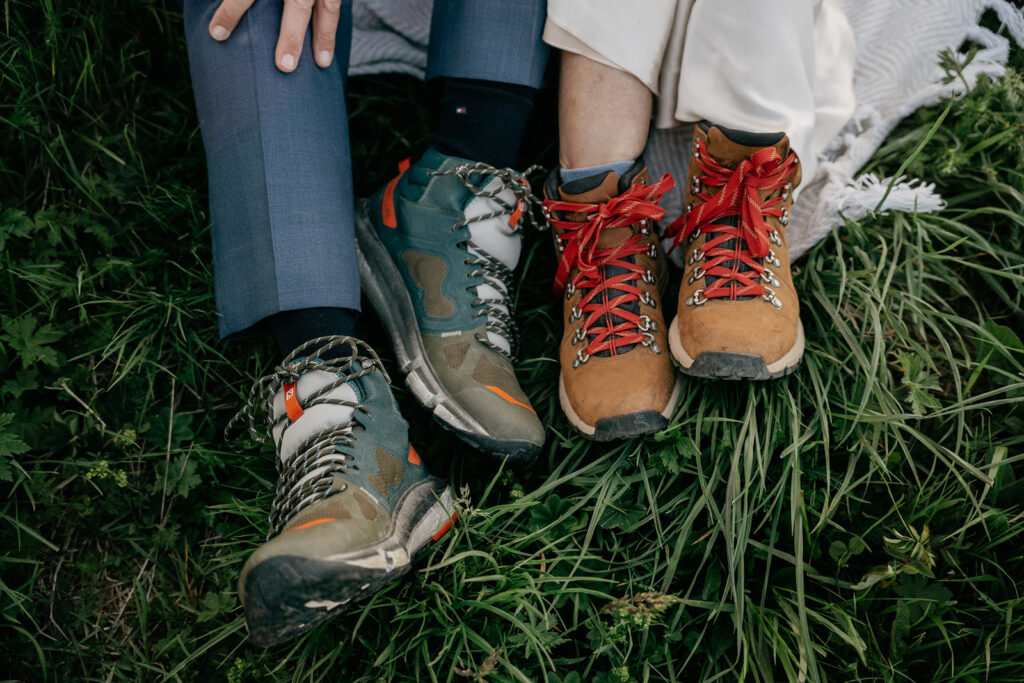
{"type": "Point", "coordinates": [859, 520]}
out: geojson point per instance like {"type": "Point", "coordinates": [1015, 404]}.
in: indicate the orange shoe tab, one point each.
{"type": "Point", "coordinates": [414, 457]}
{"type": "Point", "coordinates": [291, 403]}
{"type": "Point", "coordinates": [387, 204]}
{"type": "Point", "coordinates": [513, 220]}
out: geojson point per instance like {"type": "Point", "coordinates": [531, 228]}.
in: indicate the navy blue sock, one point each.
{"type": "Point", "coordinates": [483, 120]}
{"type": "Point", "coordinates": [291, 329]}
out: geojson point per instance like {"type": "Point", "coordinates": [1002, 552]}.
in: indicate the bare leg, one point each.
{"type": "Point", "coordinates": [603, 113]}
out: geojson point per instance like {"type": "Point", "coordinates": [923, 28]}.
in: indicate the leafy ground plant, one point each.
{"type": "Point", "coordinates": [859, 520]}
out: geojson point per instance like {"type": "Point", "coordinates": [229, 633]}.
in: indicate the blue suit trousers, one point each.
{"type": "Point", "coordinates": [277, 146]}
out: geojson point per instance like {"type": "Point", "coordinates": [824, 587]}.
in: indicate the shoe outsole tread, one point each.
{"type": "Point", "coordinates": [618, 427]}
{"type": "Point", "coordinates": [730, 365]}
{"type": "Point", "coordinates": [287, 595]}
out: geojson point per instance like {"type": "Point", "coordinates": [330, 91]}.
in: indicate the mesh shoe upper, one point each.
{"type": "Point", "coordinates": [342, 446]}
{"type": "Point", "coordinates": [453, 230]}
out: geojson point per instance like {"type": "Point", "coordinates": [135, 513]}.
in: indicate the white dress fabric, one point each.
{"type": "Point", "coordinates": [763, 67]}
{"type": "Point", "coordinates": [897, 44]}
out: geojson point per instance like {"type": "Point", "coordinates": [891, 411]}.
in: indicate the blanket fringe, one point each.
{"type": "Point", "coordinates": [835, 194]}
{"type": "Point", "coordinates": [867, 194]}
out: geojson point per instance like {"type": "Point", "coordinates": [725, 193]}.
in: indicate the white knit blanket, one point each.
{"type": "Point", "coordinates": [899, 43]}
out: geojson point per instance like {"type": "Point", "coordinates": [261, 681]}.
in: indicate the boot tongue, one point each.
{"type": "Point", "coordinates": [315, 418]}
{"type": "Point", "coordinates": [600, 188]}
{"type": "Point", "coordinates": [730, 147]}
{"type": "Point", "coordinates": [499, 239]}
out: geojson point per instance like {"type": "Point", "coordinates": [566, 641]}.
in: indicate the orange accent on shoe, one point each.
{"type": "Point", "coordinates": [322, 520]}
{"type": "Point", "coordinates": [446, 528]}
{"type": "Point", "coordinates": [291, 403]}
{"type": "Point", "coordinates": [508, 398]}
{"type": "Point", "coordinates": [513, 220]}
{"type": "Point", "coordinates": [414, 457]}
{"type": "Point", "coordinates": [387, 204]}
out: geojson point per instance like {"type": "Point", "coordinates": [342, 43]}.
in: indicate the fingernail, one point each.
{"type": "Point", "coordinates": [324, 57]}
{"type": "Point", "coordinates": [219, 33]}
{"type": "Point", "coordinates": [288, 61]}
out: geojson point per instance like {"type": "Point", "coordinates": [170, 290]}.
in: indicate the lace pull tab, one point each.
{"type": "Point", "coordinates": [291, 403]}
{"type": "Point", "coordinates": [513, 220]}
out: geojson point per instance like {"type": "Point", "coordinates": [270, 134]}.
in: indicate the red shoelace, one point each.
{"type": "Point", "coordinates": [604, 297]}
{"type": "Point", "coordinates": [764, 171]}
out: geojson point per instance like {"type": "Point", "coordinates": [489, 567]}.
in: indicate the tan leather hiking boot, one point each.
{"type": "Point", "coordinates": [617, 380]}
{"type": "Point", "coordinates": [738, 314]}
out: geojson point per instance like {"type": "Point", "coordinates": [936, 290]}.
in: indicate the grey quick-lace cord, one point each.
{"type": "Point", "coordinates": [493, 271]}
{"type": "Point", "coordinates": [319, 452]}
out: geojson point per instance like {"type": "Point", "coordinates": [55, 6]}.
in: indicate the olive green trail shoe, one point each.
{"type": "Point", "coordinates": [354, 503]}
{"type": "Point", "coordinates": [437, 249]}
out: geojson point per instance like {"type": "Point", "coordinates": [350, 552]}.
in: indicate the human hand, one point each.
{"type": "Point", "coordinates": [294, 20]}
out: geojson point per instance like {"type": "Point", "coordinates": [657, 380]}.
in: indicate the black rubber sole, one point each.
{"type": "Point", "coordinates": [628, 426]}
{"type": "Point", "coordinates": [287, 595]}
{"type": "Point", "coordinates": [279, 589]}
{"type": "Point", "coordinates": [518, 455]}
{"type": "Point", "coordinates": [732, 366]}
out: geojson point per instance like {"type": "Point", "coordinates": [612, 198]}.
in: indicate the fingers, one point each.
{"type": "Point", "coordinates": [227, 16]}
{"type": "Point", "coordinates": [294, 21]}
{"type": "Point", "coordinates": [325, 28]}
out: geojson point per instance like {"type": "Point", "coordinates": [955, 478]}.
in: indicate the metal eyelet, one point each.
{"type": "Point", "coordinates": [651, 344]}
{"type": "Point", "coordinates": [697, 255]}
{"type": "Point", "coordinates": [575, 314]}
{"type": "Point", "coordinates": [770, 296]}
{"type": "Point", "coordinates": [772, 259]}
{"type": "Point", "coordinates": [648, 276]}
{"type": "Point", "coordinates": [646, 299]}
{"type": "Point", "coordinates": [785, 191]}
{"type": "Point", "coordinates": [775, 237]}
{"type": "Point", "coordinates": [647, 325]}
{"type": "Point", "coordinates": [695, 185]}
{"type": "Point", "coordinates": [785, 217]}
{"type": "Point", "coordinates": [697, 274]}
{"type": "Point", "coordinates": [578, 336]}
{"type": "Point", "coordinates": [696, 151]}
{"type": "Point", "coordinates": [689, 207]}
{"type": "Point", "coordinates": [697, 299]}
{"type": "Point", "coordinates": [652, 250]}
{"type": "Point", "coordinates": [769, 276]}
{"type": "Point", "coordinates": [581, 358]}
